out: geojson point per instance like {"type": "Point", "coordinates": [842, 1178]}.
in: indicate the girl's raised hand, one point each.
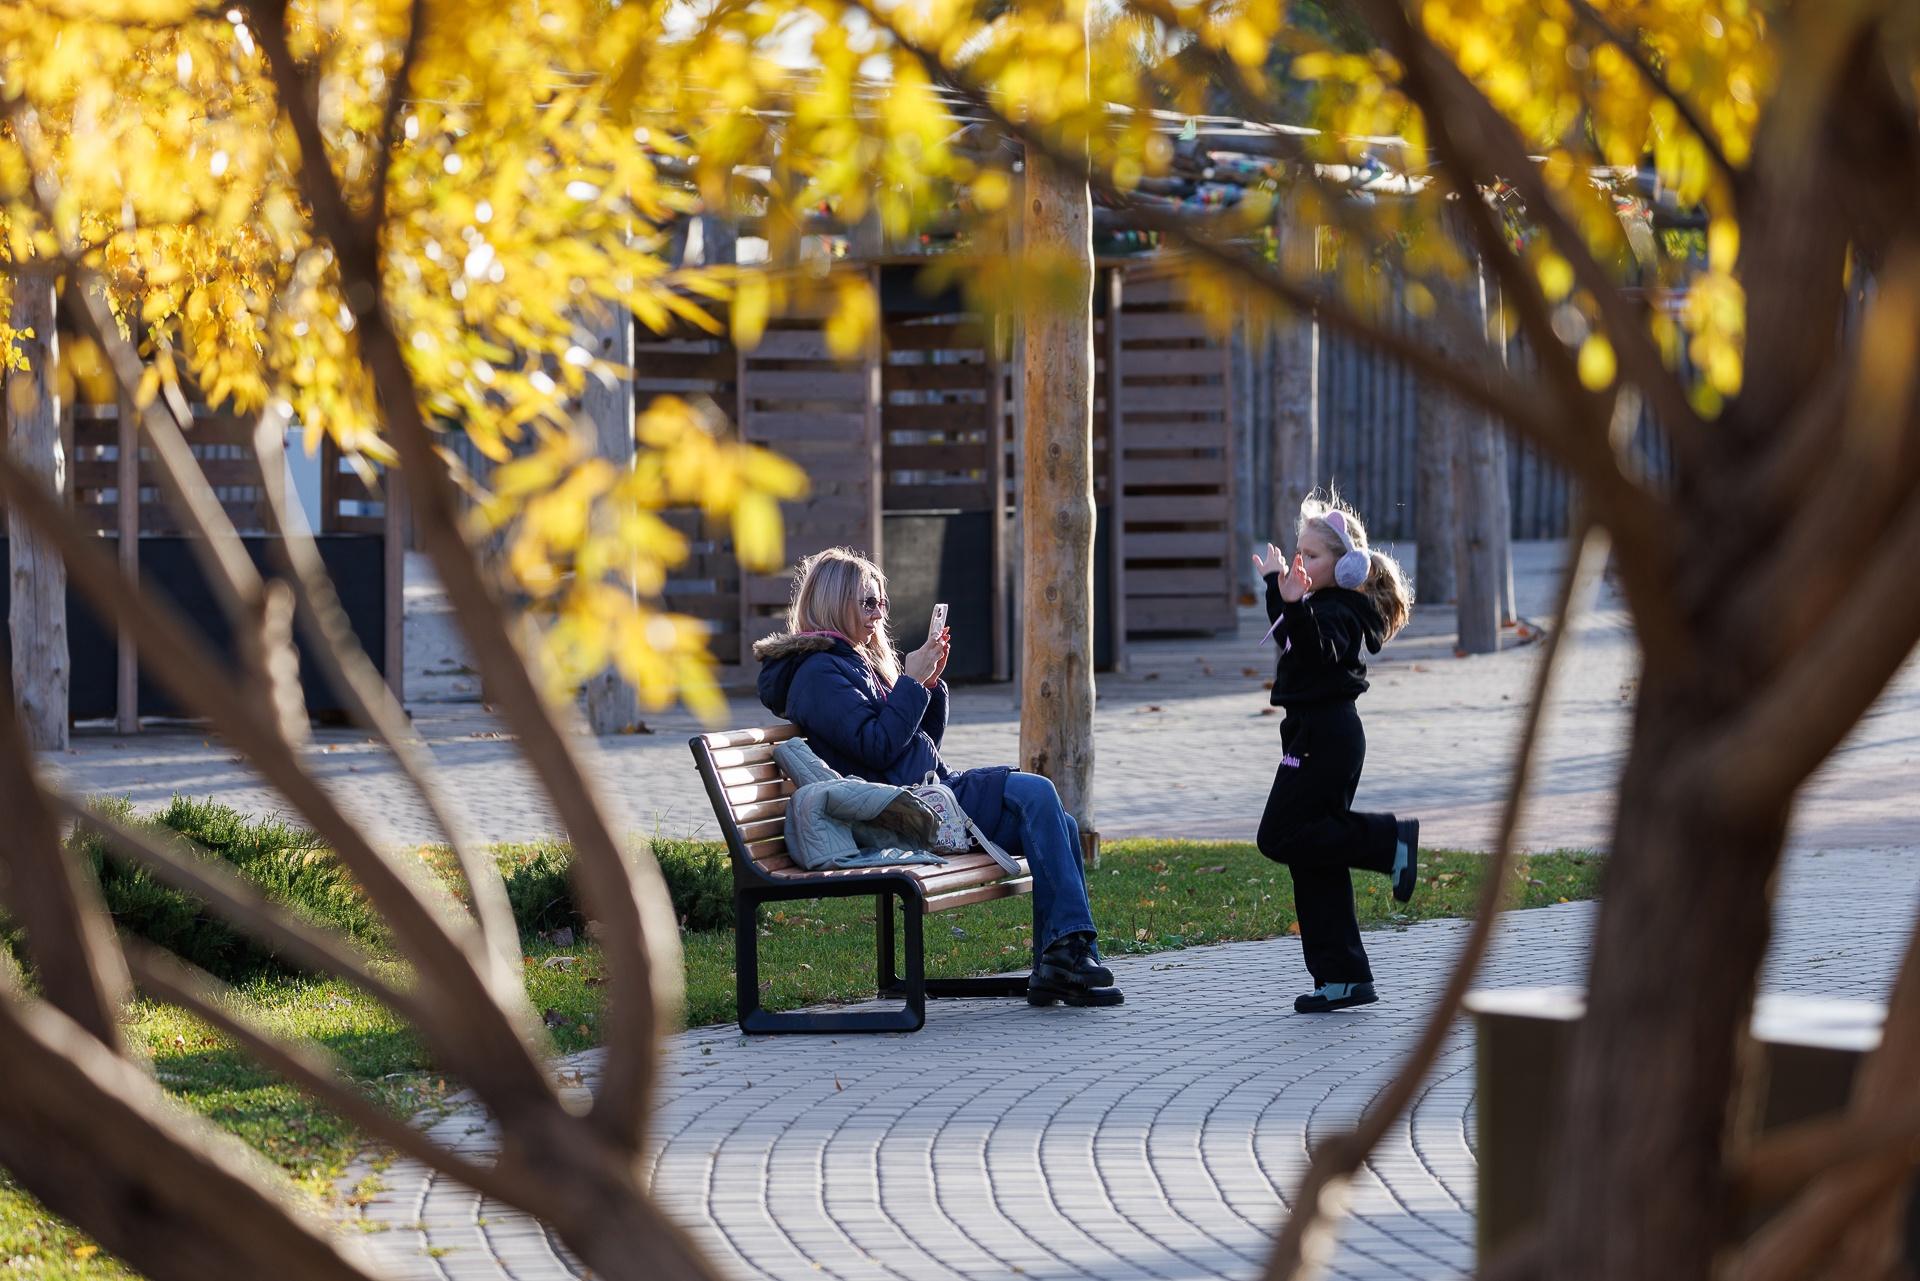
{"type": "Point", "coordinates": [1272, 561]}
{"type": "Point", "coordinates": [1295, 583]}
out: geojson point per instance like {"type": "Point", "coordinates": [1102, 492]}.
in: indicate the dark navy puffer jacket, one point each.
{"type": "Point", "coordinates": [821, 684]}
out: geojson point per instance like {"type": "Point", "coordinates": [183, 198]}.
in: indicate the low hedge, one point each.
{"type": "Point", "coordinates": [295, 869]}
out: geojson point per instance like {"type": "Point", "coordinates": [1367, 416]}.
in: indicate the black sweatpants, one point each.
{"type": "Point", "coordinates": [1310, 826]}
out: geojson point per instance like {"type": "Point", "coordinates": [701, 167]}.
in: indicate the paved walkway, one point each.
{"type": "Point", "coordinates": [1151, 1143]}
{"type": "Point", "coordinates": [1156, 1142]}
{"type": "Point", "coordinates": [1441, 733]}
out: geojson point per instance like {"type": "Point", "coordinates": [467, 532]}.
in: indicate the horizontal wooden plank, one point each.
{"type": "Point", "coordinates": [737, 738]}
{"type": "Point", "coordinates": [757, 810]}
{"type": "Point", "coordinates": [1177, 546]}
{"type": "Point", "coordinates": [937, 336]}
{"type": "Point", "coordinates": [825, 386]}
{"type": "Point", "coordinates": [957, 872]}
{"type": "Point", "coordinates": [1187, 400]}
{"type": "Point", "coordinates": [780, 428]}
{"type": "Point", "coordinates": [765, 829]}
{"type": "Point", "coordinates": [920, 377]}
{"type": "Point", "coordinates": [767, 851]}
{"type": "Point", "coordinates": [1174, 615]}
{"type": "Point", "coordinates": [747, 793]}
{"type": "Point", "coordinates": [1136, 436]}
{"type": "Point", "coordinates": [1172, 582]}
{"type": "Point", "coordinates": [971, 496]}
{"type": "Point", "coordinates": [791, 344]}
{"type": "Point", "coordinates": [981, 894]}
{"type": "Point", "coordinates": [1191, 470]}
{"type": "Point", "coordinates": [740, 775]}
{"type": "Point", "coordinates": [1137, 325]}
{"type": "Point", "coordinates": [959, 455]}
{"type": "Point", "coordinates": [1177, 362]}
{"type": "Point", "coordinates": [936, 417]}
{"type": "Point", "coordinates": [1149, 291]}
{"type": "Point", "coordinates": [1183, 508]}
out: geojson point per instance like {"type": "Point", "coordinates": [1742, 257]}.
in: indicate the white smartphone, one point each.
{"type": "Point", "coordinates": [939, 621]}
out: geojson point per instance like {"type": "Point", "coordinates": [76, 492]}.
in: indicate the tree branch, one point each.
{"type": "Point", "coordinates": [316, 1073]}
{"type": "Point", "coordinates": [1501, 153]}
{"type": "Point", "coordinates": [368, 697]}
{"type": "Point", "coordinates": [494, 1052]}
{"type": "Point", "coordinates": [628, 897]}
{"type": "Point", "coordinates": [1624, 503]}
{"type": "Point", "coordinates": [397, 97]}
{"type": "Point", "coordinates": [69, 936]}
{"type": "Point", "coordinates": [1684, 109]}
{"type": "Point", "coordinates": [1339, 1158]}
{"type": "Point", "coordinates": [93, 1137]}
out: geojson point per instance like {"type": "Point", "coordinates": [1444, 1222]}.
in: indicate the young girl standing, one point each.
{"type": "Point", "coordinates": [1339, 601]}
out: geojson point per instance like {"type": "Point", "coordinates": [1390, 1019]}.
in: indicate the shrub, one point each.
{"type": "Point", "coordinates": [287, 863]}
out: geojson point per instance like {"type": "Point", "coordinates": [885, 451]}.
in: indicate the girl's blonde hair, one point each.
{"type": "Point", "coordinates": [828, 586]}
{"type": "Point", "coordinates": [1386, 584]}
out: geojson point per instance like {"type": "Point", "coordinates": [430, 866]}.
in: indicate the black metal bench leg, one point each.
{"type": "Point", "coordinates": [888, 981]}
{"type": "Point", "coordinates": [916, 985]}
{"type": "Point", "coordinates": [911, 1017]}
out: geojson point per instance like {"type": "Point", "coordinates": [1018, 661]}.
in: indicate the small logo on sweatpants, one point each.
{"type": "Point", "coordinates": [1290, 762]}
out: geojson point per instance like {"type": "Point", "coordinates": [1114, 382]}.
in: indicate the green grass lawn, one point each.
{"type": "Point", "coordinates": [1148, 895]}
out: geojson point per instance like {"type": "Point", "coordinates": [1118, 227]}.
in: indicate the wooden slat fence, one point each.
{"type": "Point", "coordinates": [1176, 505]}
{"type": "Point", "coordinates": [221, 443]}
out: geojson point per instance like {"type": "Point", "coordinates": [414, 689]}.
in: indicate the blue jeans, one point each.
{"type": "Point", "coordinates": [1033, 825]}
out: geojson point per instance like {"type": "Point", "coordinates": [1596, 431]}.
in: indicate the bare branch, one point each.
{"type": "Point", "coordinates": [93, 1137]}
{"type": "Point", "coordinates": [454, 967]}
{"type": "Point", "coordinates": [1684, 109]}
{"type": "Point", "coordinates": [315, 1072]}
{"type": "Point", "coordinates": [1623, 503]}
{"type": "Point", "coordinates": [369, 698]}
{"type": "Point", "coordinates": [69, 937]}
{"type": "Point", "coordinates": [1492, 149]}
{"type": "Point", "coordinates": [236, 901]}
{"type": "Point", "coordinates": [627, 896]}
{"type": "Point", "coordinates": [1337, 1159]}
{"type": "Point", "coordinates": [390, 129]}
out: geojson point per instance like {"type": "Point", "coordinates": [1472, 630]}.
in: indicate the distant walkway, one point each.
{"type": "Point", "coordinates": [1157, 1142]}
{"type": "Point", "coordinates": [1183, 747]}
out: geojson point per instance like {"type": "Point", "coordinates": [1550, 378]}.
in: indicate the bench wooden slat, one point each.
{"type": "Point", "coordinates": [748, 774]}
{"type": "Point", "coordinates": [747, 793]}
{"type": "Point", "coordinates": [981, 894]}
{"type": "Point", "coordinates": [758, 810]}
{"type": "Point", "coordinates": [960, 871]}
{"type": "Point", "coordinates": [746, 737]}
{"type": "Point", "coordinates": [762, 852]}
{"type": "Point", "coordinates": [735, 757]}
{"type": "Point", "coordinates": [755, 832]}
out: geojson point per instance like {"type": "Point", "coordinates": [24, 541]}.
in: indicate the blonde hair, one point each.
{"type": "Point", "coordinates": [1386, 586]}
{"type": "Point", "coordinates": [826, 598]}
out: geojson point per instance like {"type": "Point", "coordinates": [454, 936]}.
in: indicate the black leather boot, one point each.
{"type": "Point", "coordinates": [1068, 972]}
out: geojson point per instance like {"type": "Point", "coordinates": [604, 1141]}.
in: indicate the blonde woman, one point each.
{"type": "Point", "coordinates": [871, 713]}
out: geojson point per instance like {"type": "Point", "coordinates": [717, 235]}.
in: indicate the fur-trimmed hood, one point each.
{"type": "Point", "coordinates": [780, 657]}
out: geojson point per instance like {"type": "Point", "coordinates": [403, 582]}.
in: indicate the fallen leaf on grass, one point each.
{"type": "Point", "coordinates": [1293, 927]}
{"type": "Point", "coordinates": [560, 962]}
{"type": "Point", "coordinates": [1205, 870]}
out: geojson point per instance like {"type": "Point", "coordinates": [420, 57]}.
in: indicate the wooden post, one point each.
{"type": "Point", "coordinates": [997, 539]}
{"type": "Point", "coordinates": [1116, 283]}
{"type": "Point", "coordinates": [1437, 432]}
{"type": "Point", "coordinates": [1056, 705]}
{"type": "Point", "coordinates": [612, 704]}
{"type": "Point", "coordinates": [1503, 469]}
{"type": "Point", "coordinates": [1479, 509]}
{"type": "Point", "coordinates": [127, 485]}
{"type": "Point", "coordinates": [1296, 387]}
{"type": "Point", "coordinates": [37, 617]}
{"type": "Point", "coordinates": [394, 521]}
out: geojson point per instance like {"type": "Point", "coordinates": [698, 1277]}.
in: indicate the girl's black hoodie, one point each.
{"type": "Point", "coordinates": [1320, 640]}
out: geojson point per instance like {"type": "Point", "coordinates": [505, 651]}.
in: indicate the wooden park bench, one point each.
{"type": "Point", "coordinates": [749, 796]}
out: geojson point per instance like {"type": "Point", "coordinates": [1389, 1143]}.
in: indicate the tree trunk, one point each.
{"type": "Point", "coordinates": [612, 704]}
{"type": "Point", "coordinates": [37, 618]}
{"type": "Point", "coordinates": [1056, 669]}
{"type": "Point", "coordinates": [1296, 390]}
{"type": "Point", "coordinates": [1683, 926]}
{"type": "Point", "coordinates": [1435, 520]}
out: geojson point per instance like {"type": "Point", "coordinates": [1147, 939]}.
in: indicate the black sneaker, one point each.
{"type": "Point", "coordinates": [1407, 833]}
{"type": "Point", "coordinates": [1334, 996]}
{"type": "Point", "coordinates": [1068, 972]}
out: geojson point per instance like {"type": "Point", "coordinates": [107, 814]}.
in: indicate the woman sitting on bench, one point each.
{"type": "Point", "coordinates": [870, 713]}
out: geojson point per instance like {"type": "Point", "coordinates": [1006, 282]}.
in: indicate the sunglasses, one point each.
{"type": "Point", "coordinates": [874, 604]}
